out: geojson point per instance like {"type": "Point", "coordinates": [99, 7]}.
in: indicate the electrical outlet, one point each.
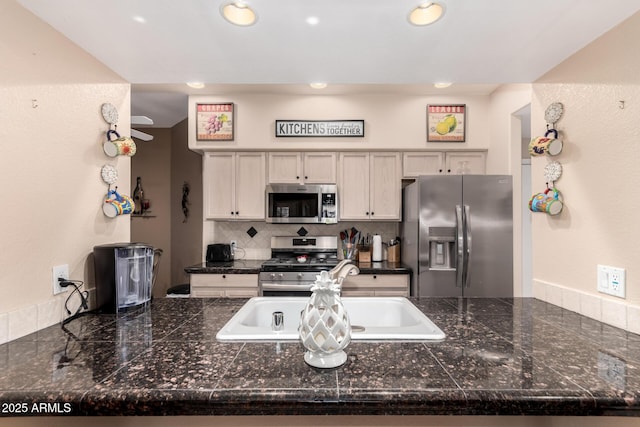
{"type": "Point", "coordinates": [60, 272]}
{"type": "Point", "coordinates": [611, 281]}
{"type": "Point", "coordinates": [612, 369]}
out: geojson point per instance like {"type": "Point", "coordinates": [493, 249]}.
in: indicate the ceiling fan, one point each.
{"type": "Point", "coordinates": [141, 120]}
{"type": "Point", "coordinates": [110, 115]}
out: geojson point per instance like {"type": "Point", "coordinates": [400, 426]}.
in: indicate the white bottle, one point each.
{"type": "Point", "coordinates": [377, 248]}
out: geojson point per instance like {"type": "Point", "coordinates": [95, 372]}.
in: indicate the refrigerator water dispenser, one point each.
{"type": "Point", "coordinates": [442, 248]}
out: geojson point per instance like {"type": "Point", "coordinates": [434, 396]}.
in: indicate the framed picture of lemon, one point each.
{"type": "Point", "coordinates": [446, 123]}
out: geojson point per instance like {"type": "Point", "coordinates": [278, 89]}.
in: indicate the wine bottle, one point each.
{"type": "Point", "coordinates": [138, 196]}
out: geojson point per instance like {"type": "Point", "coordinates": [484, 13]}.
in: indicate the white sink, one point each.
{"type": "Point", "coordinates": [372, 318]}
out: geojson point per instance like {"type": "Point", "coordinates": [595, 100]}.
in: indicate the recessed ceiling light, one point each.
{"type": "Point", "coordinates": [318, 85]}
{"type": "Point", "coordinates": [313, 20]}
{"type": "Point", "coordinates": [195, 85]}
{"type": "Point", "coordinates": [442, 85]}
{"type": "Point", "coordinates": [139, 19]}
{"type": "Point", "coordinates": [426, 14]}
{"type": "Point", "coordinates": [238, 13]}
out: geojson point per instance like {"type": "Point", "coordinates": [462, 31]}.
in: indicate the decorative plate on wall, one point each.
{"type": "Point", "coordinates": [109, 174]}
{"type": "Point", "coordinates": [553, 112]}
{"type": "Point", "coordinates": [109, 113]}
{"type": "Point", "coordinates": [552, 171]}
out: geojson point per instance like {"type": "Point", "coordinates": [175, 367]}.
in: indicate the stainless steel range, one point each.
{"type": "Point", "coordinates": [294, 264]}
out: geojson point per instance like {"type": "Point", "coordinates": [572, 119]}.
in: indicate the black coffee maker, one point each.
{"type": "Point", "coordinates": [124, 276]}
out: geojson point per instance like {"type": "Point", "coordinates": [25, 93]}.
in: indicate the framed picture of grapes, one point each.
{"type": "Point", "coordinates": [214, 122]}
{"type": "Point", "coordinates": [446, 123]}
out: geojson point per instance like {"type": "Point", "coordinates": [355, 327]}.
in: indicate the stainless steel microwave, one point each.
{"type": "Point", "coordinates": [301, 204]}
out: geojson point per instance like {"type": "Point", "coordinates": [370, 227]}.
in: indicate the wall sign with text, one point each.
{"type": "Point", "coordinates": [214, 122]}
{"type": "Point", "coordinates": [446, 123]}
{"type": "Point", "coordinates": [320, 128]}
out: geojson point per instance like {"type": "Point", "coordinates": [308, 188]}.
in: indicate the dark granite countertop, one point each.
{"type": "Point", "coordinates": [383, 267]}
{"type": "Point", "coordinates": [252, 266]}
{"type": "Point", "coordinates": [238, 266]}
{"type": "Point", "coordinates": [500, 357]}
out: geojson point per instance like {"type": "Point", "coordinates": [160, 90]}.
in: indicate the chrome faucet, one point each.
{"type": "Point", "coordinates": [277, 321]}
{"type": "Point", "coordinates": [343, 269]}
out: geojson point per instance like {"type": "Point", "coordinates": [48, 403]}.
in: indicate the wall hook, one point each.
{"type": "Point", "coordinates": [34, 103]}
{"type": "Point", "coordinates": [621, 105]}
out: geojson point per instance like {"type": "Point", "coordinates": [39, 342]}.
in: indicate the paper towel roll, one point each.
{"type": "Point", "coordinates": [377, 248]}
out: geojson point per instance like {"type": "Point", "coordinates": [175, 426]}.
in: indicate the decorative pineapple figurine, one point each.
{"type": "Point", "coordinates": [325, 329]}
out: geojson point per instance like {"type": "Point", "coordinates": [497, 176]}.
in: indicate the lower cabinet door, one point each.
{"type": "Point", "coordinates": [224, 285]}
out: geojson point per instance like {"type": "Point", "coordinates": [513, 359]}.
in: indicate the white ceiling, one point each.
{"type": "Point", "coordinates": [358, 45]}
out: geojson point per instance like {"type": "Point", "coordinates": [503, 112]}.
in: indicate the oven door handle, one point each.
{"type": "Point", "coordinates": [279, 287]}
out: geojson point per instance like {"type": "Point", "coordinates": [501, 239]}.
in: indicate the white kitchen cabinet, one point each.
{"type": "Point", "coordinates": [234, 185]}
{"type": "Point", "coordinates": [302, 168]}
{"type": "Point", "coordinates": [369, 186]}
{"type": "Point", "coordinates": [422, 163]}
{"type": "Point", "coordinates": [378, 285]}
{"type": "Point", "coordinates": [466, 162]}
{"type": "Point", "coordinates": [224, 285]}
{"type": "Point", "coordinates": [440, 162]}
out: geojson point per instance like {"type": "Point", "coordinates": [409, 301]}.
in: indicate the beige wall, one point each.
{"type": "Point", "coordinates": [599, 181]}
{"type": "Point", "coordinates": [152, 163]}
{"type": "Point", "coordinates": [186, 233]}
{"type": "Point", "coordinates": [52, 132]}
{"type": "Point", "coordinates": [164, 165]}
{"type": "Point", "coordinates": [391, 121]}
{"type": "Point", "coordinates": [504, 158]}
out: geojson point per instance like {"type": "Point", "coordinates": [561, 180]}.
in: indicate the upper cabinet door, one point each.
{"type": "Point", "coordinates": [250, 185]}
{"type": "Point", "coordinates": [302, 168]}
{"type": "Point", "coordinates": [370, 186]}
{"type": "Point", "coordinates": [319, 168]}
{"type": "Point", "coordinates": [285, 168]}
{"type": "Point", "coordinates": [415, 164]}
{"type": "Point", "coordinates": [218, 172]}
{"type": "Point", "coordinates": [466, 163]}
{"type": "Point", "coordinates": [353, 186]}
{"type": "Point", "coordinates": [385, 186]}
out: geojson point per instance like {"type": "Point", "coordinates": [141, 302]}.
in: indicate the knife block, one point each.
{"type": "Point", "coordinates": [393, 253]}
{"type": "Point", "coordinates": [364, 253]}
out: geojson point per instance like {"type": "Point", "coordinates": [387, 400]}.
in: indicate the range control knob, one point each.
{"type": "Point", "coordinates": [300, 275]}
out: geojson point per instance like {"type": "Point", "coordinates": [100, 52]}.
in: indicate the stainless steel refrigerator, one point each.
{"type": "Point", "coordinates": [457, 235]}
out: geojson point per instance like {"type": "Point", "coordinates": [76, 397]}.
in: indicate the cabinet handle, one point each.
{"type": "Point", "coordinates": [297, 177]}
{"type": "Point", "coordinates": [231, 212]}
{"type": "Point", "coordinates": [440, 171]}
{"type": "Point", "coordinates": [237, 212]}
{"type": "Point", "coordinates": [366, 213]}
{"type": "Point", "coordinates": [224, 276]}
{"type": "Point", "coordinates": [448, 170]}
{"type": "Point", "coordinates": [375, 277]}
{"type": "Point", "coordinates": [372, 213]}
{"type": "Point", "coordinates": [306, 177]}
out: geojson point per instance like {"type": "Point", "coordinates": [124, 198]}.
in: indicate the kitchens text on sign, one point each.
{"type": "Point", "coordinates": [322, 128]}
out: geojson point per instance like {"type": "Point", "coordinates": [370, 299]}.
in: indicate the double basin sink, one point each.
{"type": "Point", "coordinates": [372, 318]}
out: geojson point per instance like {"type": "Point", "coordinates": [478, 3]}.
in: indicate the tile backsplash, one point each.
{"type": "Point", "coordinates": [258, 246]}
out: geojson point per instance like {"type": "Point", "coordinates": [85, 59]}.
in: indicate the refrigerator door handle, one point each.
{"type": "Point", "coordinates": [459, 247]}
{"type": "Point", "coordinates": [467, 258]}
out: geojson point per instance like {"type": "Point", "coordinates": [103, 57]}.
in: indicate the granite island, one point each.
{"type": "Point", "coordinates": [500, 357]}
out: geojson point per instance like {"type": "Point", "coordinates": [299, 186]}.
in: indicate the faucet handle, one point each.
{"type": "Point", "coordinates": [335, 270]}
